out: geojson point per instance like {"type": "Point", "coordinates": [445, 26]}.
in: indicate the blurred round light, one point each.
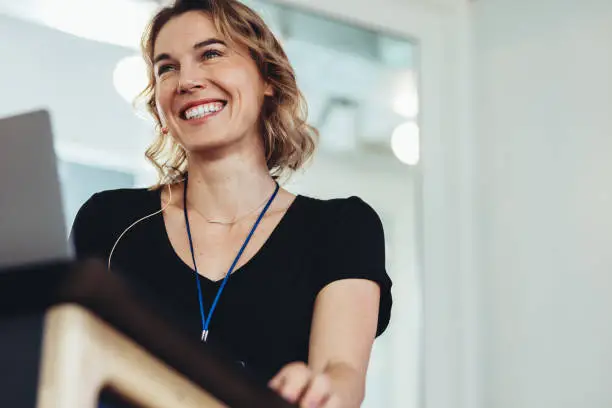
{"type": "Point", "coordinates": [405, 100]}
{"type": "Point", "coordinates": [406, 104]}
{"type": "Point", "coordinates": [130, 77]}
{"type": "Point", "coordinates": [405, 143]}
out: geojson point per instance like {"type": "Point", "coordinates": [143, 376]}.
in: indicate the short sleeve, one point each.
{"type": "Point", "coordinates": [355, 249]}
{"type": "Point", "coordinates": [86, 232]}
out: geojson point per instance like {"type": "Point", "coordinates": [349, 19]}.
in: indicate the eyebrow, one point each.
{"type": "Point", "coordinates": [201, 44]}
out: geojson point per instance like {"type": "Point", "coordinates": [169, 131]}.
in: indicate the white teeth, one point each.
{"type": "Point", "coordinates": [202, 110]}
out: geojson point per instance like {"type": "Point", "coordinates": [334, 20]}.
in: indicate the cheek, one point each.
{"type": "Point", "coordinates": [163, 97]}
{"type": "Point", "coordinates": [245, 83]}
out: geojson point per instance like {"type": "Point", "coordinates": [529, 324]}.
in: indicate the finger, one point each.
{"type": "Point", "coordinates": [318, 392]}
{"type": "Point", "coordinates": [295, 379]}
{"type": "Point", "coordinates": [279, 378]}
{"type": "Point", "coordinates": [276, 382]}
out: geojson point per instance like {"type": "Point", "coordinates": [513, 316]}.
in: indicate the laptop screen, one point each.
{"type": "Point", "coordinates": [32, 224]}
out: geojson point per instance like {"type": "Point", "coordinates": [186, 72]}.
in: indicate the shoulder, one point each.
{"type": "Point", "coordinates": [353, 204]}
{"type": "Point", "coordinates": [349, 213]}
{"type": "Point", "coordinates": [350, 223]}
{"type": "Point", "coordinates": [106, 212]}
{"type": "Point", "coordinates": [112, 206]}
{"type": "Point", "coordinates": [352, 246]}
{"type": "Point", "coordinates": [119, 199]}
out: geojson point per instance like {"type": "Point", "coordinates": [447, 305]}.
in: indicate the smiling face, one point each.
{"type": "Point", "coordinates": [208, 92]}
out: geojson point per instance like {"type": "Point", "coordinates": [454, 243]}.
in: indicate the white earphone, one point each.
{"type": "Point", "coordinates": [110, 256]}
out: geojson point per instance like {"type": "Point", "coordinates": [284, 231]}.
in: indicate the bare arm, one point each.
{"type": "Point", "coordinates": [343, 331]}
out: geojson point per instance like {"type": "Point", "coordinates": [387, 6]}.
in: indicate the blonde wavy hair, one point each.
{"type": "Point", "coordinates": [289, 140]}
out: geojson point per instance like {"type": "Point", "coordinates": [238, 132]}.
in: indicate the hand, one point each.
{"type": "Point", "coordinates": [299, 384]}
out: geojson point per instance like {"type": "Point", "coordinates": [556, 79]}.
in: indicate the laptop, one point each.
{"type": "Point", "coordinates": [32, 223]}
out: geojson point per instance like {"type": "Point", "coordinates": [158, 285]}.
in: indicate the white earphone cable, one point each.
{"type": "Point", "coordinates": [139, 220]}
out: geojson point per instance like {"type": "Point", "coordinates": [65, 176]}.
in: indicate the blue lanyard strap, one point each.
{"type": "Point", "coordinates": [206, 321]}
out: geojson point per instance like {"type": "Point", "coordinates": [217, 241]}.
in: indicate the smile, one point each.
{"type": "Point", "coordinates": [202, 111]}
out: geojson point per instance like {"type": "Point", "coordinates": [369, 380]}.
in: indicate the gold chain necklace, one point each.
{"type": "Point", "coordinates": [236, 219]}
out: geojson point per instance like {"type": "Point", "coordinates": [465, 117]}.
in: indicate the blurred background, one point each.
{"type": "Point", "coordinates": [481, 132]}
{"type": "Point", "coordinates": [81, 61]}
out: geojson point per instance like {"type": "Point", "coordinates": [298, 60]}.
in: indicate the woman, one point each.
{"type": "Point", "coordinates": [293, 288]}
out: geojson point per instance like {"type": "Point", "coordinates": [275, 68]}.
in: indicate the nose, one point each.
{"type": "Point", "coordinates": [191, 77]}
{"type": "Point", "coordinates": [186, 85]}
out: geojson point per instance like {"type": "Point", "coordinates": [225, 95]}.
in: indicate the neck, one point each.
{"type": "Point", "coordinates": [228, 187]}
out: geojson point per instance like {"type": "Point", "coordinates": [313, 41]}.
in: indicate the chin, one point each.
{"type": "Point", "coordinates": [212, 145]}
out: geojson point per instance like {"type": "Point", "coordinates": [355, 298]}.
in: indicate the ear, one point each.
{"type": "Point", "coordinates": [269, 91]}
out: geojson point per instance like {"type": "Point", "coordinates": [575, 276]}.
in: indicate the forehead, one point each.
{"type": "Point", "coordinates": [182, 32]}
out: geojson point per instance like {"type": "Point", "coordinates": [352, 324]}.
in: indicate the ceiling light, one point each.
{"type": "Point", "coordinates": [130, 77]}
{"type": "Point", "coordinates": [405, 143]}
{"type": "Point", "coordinates": [406, 104]}
{"type": "Point", "coordinates": [406, 100]}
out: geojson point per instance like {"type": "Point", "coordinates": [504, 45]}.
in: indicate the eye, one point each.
{"type": "Point", "coordinates": [210, 54]}
{"type": "Point", "coordinates": [162, 69]}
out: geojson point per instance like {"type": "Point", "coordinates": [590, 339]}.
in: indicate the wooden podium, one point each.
{"type": "Point", "coordinates": [73, 333]}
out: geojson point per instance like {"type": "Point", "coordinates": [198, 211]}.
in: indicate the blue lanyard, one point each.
{"type": "Point", "coordinates": [206, 321]}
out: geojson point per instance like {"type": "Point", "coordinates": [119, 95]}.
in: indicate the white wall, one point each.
{"type": "Point", "coordinates": [543, 116]}
{"type": "Point", "coordinates": [394, 375]}
{"type": "Point", "coordinates": [73, 79]}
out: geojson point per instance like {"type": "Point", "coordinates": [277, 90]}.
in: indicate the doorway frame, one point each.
{"type": "Point", "coordinates": [450, 374]}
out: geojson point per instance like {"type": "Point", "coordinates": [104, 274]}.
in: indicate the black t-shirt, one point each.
{"type": "Point", "coordinates": [263, 317]}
